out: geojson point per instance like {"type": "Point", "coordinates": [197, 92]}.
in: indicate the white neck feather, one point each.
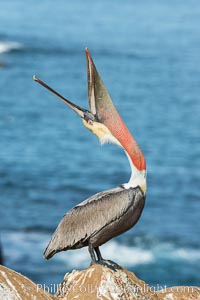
{"type": "Point", "coordinates": [138, 178]}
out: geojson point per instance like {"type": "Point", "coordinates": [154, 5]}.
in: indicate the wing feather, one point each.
{"type": "Point", "coordinates": [90, 216]}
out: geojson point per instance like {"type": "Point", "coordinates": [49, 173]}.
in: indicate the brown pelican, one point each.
{"type": "Point", "coordinates": [106, 214]}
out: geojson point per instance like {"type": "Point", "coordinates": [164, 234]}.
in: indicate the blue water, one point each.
{"type": "Point", "coordinates": [148, 53]}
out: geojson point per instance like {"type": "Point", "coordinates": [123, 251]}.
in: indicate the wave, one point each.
{"type": "Point", "coordinates": [18, 245]}
{"type": "Point", "coordinates": [188, 254]}
{"type": "Point", "coordinates": [8, 46]}
{"type": "Point", "coordinates": [122, 254]}
{"type": "Point", "coordinates": [131, 256]}
{"type": "Point", "coordinates": [60, 49]}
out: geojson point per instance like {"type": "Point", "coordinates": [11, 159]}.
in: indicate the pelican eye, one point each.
{"type": "Point", "coordinates": [90, 122]}
{"type": "Point", "coordinates": [88, 117]}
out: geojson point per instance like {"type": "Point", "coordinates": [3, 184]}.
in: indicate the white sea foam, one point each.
{"type": "Point", "coordinates": [6, 46]}
{"type": "Point", "coordinates": [17, 245]}
{"type": "Point", "coordinates": [122, 254]}
{"type": "Point", "coordinates": [188, 254]}
{"type": "Point", "coordinates": [127, 255]}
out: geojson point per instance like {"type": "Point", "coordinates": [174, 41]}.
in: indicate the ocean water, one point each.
{"type": "Point", "coordinates": [148, 53]}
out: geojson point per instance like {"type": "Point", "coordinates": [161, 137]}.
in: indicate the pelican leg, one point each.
{"type": "Point", "coordinates": [103, 262]}
{"type": "Point", "coordinates": [92, 254]}
{"type": "Point", "coordinates": [98, 253]}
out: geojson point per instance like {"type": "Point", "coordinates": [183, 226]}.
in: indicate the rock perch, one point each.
{"type": "Point", "coordinates": [96, 282]}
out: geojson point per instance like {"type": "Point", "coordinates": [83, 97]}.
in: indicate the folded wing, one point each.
{"type": "Point", "coordinates": [89, 217]}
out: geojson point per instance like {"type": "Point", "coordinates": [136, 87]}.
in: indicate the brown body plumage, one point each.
{"type": "Point", "coordinates": [97, 220]}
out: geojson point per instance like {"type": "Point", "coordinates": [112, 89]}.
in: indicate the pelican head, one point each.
{"type": "Point", "coordinates": [104, 121]}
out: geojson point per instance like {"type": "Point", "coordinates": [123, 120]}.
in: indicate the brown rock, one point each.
{"type": "Point", "coordinates": [14, 286]}
{"type": "Point", "coordinates": [96, 282]}
{"type": "Point", "coordinates": [101, 283]}
{"type": "Point", "coordinates": [180, 293]}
